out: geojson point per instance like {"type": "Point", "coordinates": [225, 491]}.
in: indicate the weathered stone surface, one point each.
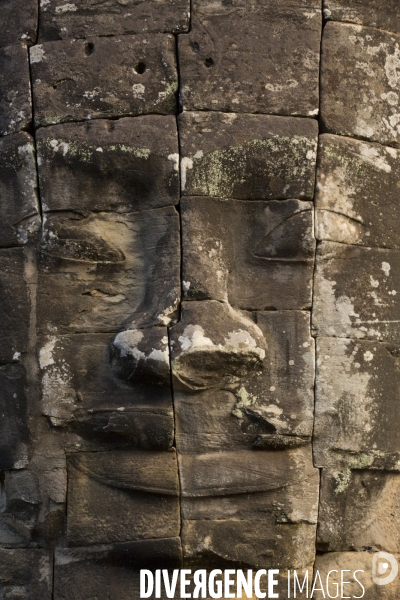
{"type": "Point", "coordinates": [351, 562]}
{"type": "Point", "coordinates": [256, 255]}
{"type": "Point", "coordinates": [14, 304]}
{"type": "Point", "coordinates": [125, 165]}
{"type": "Point", "coordinates": [247, 543]}
{"type": "Point", "coordinates": [14, 433]}
{"type": "Point", "coordinates": [247, 156]}
{"type": "Point", "coordinates": [122, 496]}
{"type": "Point", "coordinates": [282, 398]}
{"type": "Point", "coordinates": [359, 510]}
{"type": "Point", "coordinates": [272, 409]}
{"type": "Point", "coordinates": [19, 210]}
{"type": "Point", "coordinates": [86, 18]}
{"type": "Point", "coordinates": [383, 14]}
{"type": "Point", "coordinates": [25, 574]}
{"type": "Point", "coordinates": [356, 422]}
{"type": "Point", "coordinates": [213, 345]}
{"type": "Point", "coordinates": [103, 77]}
{"type": "Point", "coordinates": [358, 193]}
{"type": "Point", "coordinates": [108, 572]}
{"type": "Point", "coordinates": [33, 503]}
{"type": "Point", "coordinates": [252, 57]}
{"type": "Point", "coordinates": [80, 388]}
{"type": "Point", "coordinates": [356, 292]}
{"type": "Point", "coordinates": [142, 355]}
{"type": "Point", "coordinates": [18, 22]}
{"type": "Point", "coordinates": [360, 85]}
{"type": "Point", "coordinates": [247, 508]}
{"type": "Point", "coordinates": [98, 271]}
{"type": "Point", "coordinates": [15, 94]}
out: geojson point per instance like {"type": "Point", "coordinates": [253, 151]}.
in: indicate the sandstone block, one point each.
{"type": "Point", "coordinates": [25, 574]}
{"type": "Point", "coordinates": [244, 508]}
{"type": "Point", "coordinates": [15, 91]}
{"type": "Point", "coordinates": [358, 193]}
{"type": "Point", "coordinates": [14, 433]}
{"type": "Point", "coordinates": [33, 504]}
{"type": "Point", "coordinates": [360, 85]}
{"type": "Point", "coordinates": [255, 544]}
{"type": "Point", "coordinates": [88, 17]}
{"type": "Point", "coordinates": [122, 496]}
{"type": "Point", "coordinates": [256, 255]}
{"type": "Point", "coordinates": [110, 571]}
{"type": "Point", "coordinates": [257, 57]}
{"type": "Point", "coordinates": [359, 510]}
{"type": "Point", "coordinates": [14, 304]}
{"type": "Point", "coordinates": [383, 14]}
{"type": "Point", "coordinates": [142, 355]}
{"type": "Point", "coordinates": [80, 388]}
{"type": "Point", "coordinates": [103, 77]}
{"type": "Point", "coordinates": [356, 414]}
{"type": "Point", "coordinates": [356, 292]}
{"type": "Point", "coordinates": [101, 270]}
{"type": "Point", "coordinates": [271, 409]}
{"type": "Point", "coordinates": [213, 344]}
{"type": "Point", "coordinates": [19, 209]}
{"type": "Point", "coordinates": [351, 562]}
{"type": "Point", "coordinates": [125, 166]}
{"type": "Point", "coordinates": [250, 157]}
{"type": "Point", "coordinates": [19, 22]}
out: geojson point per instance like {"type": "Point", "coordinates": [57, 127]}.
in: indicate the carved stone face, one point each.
{"type": "Point", "coordinates": [162, 165]}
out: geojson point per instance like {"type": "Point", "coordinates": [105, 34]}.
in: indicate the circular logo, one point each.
{"type": "Point", "coordinates": [381, 563]}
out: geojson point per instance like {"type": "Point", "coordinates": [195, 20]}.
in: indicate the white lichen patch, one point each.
{"type": "Point", "coordinates": [138, 90]}
{"type": "Point", "coordinates": [59, 146]}
{"type": "Point", "coordinates": [175, 160]}
{"type": "Point", "coordinates": [193, 337]}
{"type": "Point", "coordinates": [46, 353]}
{"type": "Point", "coordinates": [386, 268]}
{"type": "Point", "coordinates": [66, 8]}
{"type": "Point", "coordinates": [127, 341]}
{"type": "Point", "coordinates": [36, 54]}
{"type": "Point", "coordinates": [186, 163]}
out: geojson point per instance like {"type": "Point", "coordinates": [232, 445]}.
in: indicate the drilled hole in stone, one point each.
{"type": "Point", "coordinates": [89, 48]}
{"type": "Point", "coordinates": [209, 62]}
{"type": "Point", "coordinates": [140, 68]}
{"type": "Point", "coordinates": [196, 47]}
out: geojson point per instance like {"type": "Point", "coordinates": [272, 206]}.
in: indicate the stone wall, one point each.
{"type": "Point", "coordinates": [200, 290]}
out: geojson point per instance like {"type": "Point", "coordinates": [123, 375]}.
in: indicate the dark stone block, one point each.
{"type": "Point", "coordinates": [14, 304]}
{"type": "Point", "coordinates": [19, 211]}
{"type": "Point", "coordinates": [356, 411]}
{"type": "Point", "coordinates": [19, 20]}
{"type": "Point", "coordinates": [85, 18]}
{"type": "Point", "coordinates": [14, 433]}
{"type": "Point", "coordinates": [103, 77]}
{"type": "Point", "coordinates": [356, 292]}
{"type": "Point", "coordinates": [360, 85]}
{"type": "Point", "coordinates": [358, 510]}
{"type": "Point", "coordinates": [358, 193]}
{"type": "Point", "coordinates": [102, 270]}
{"type": "Point", "coordinates": [252, 57]}
{"type": "Point", "coordinates": [15, 91]}
{"type": "Point", "coordinates": [125, 165]}
{"type": "Point", "coordinates": [80, 389]}
{"type": "Point", "coordinates": [256, 255]}
{"type": "Point", "coordinates": [383, 14]}
{"type": "Point", "coordinates": [25, 574]}
{"type": "Point", "coordinates": [250, 157]}
{"type": "Point", "coordinates": [122, 496]}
